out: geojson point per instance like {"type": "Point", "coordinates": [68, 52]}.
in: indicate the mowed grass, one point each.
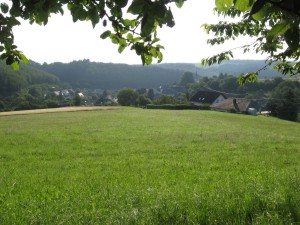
{"type": "Point", "coordinates": [135, 166]}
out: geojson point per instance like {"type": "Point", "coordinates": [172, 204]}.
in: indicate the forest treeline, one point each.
{"type": "Point", "coordinates": [97, 75]}
{"type": "Point", "coordinates": [87, 74]}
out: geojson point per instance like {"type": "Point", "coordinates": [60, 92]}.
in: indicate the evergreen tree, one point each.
{"type": "Point", "coordinates": [288, 109]}
{"type": "Point", "coordinates": [77, 100]}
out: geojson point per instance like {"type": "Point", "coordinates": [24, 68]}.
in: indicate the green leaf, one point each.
{"type": "Point", "coordinates": [15, 65]}
{"type": "Point", "coordinates": [170, 19]}
{"type": "Point", "coordinates": [15, 11]}
{"type": "Point", "coordinates": [122, 41]}
{"type": "Point", "coordinates": [93, 16]}
{"type": "Point", "coordinates": [114, 40]}
{"type": "Point", "coordinates": [147, 24]}
{"type": "Point", "coordinates": [223, 5]}
{"type": "Point", "coordinates": [257, 7]}
{"type": "Point", "coordinates": [116, 12]}
{"type": "Point", "coordinates": [159, 11]}
{"type": "Point", "coordinates": [139, 49]}
{"type": "Point", "coordinates": [136, 7]}
{"type": "Point", "coordinates": [121, 48]}
{"type": "Point", "coordinates": [129, 36]}
{"type": "Point", "coordinates": [4, 7]}
{"type": "Point", "coordinates": [250, 77]}
{"type": "Point", "coordinates": [179, 3]}
{"type": "Point", "coordinates": [10, 60]}
{"type": "Point", "coordinates": [153, 52]}
{"type": "Point", "coordinates": [292, 38]}
{"type": "Point", "coordinates": [126, 22]}
{"type": "Point", "coordinates": [121, 3]}
{"type": "Point", "coordinates": [159, 56]}
{"type": "Point", "coordinates": [70, 6]}
{"type": "Point", "coordinates": [23, 58]}
{"type": "Point", "coordinates": [3, 56]}
{"type": "Point", "coordinates": [105, 34]}
{"type": "Point", "coordinates": [148, 59]}
{"type": "Point", "coordinates": [78, 13]}
{"type": "Point", "coordinates": [102, 13]}
{"type": "Point", "coordinates": [1, 48]}
{"type": "Point", "coordinates": [278, 29]}
{"type": "Point", "coordinates": [242, 5]}
{"type": "Point", "coordinates": [136, 39]}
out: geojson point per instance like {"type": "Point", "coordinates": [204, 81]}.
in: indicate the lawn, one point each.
{"type": "Point", "coordinates": [135, 166]}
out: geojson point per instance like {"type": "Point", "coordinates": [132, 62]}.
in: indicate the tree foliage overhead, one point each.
{"type": "Point", "coordinates": [274, 23]}
{"type": "Point", "coordinates": [134, 23]}
{"type": "Point", "coordinates": [138, 31]}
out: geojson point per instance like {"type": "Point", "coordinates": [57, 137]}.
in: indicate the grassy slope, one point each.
{"type": "Point", "coordinates": [133, 166]}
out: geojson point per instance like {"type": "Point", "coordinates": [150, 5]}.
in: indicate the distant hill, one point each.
{"type": "Point", "coordinates": [86, 74]}
{"type": "Point", "coordinates": [110, 76]}
{"type": "Point", "coordinates": [12, 81]}
{"type": "Point", "coordinates": [231, 67]}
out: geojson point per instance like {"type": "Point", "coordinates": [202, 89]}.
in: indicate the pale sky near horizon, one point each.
{"type": "Point", "coordinates": [61, 40]}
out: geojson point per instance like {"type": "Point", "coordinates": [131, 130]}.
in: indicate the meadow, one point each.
{"type": "Point", "coordinates": [137, 166]}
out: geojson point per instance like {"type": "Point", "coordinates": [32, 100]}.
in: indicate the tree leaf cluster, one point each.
{"type": "Point", "coordinates": [137, 32]}
{"type": "Point", "coordinates": [134, 24]}
{"type": "Point", "coordinates": [274, 24]}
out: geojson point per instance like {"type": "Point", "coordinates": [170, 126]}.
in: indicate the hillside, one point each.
{"type": "Point", "coordinates": [231, 67]}
{"type": "Point", "coordinates": [94, 75]}
{"type": "Point", "coordinates": [137, 166]}
{"type": "Point", "coordinates": [116, 76]}
{"type": "Point", "coordinates": [110, 76]}
{"type": "Point", "coordinates": [12, 81]}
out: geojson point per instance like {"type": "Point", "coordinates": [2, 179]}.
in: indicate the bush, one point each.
{"type": "Point", "coordinates": [232, 111]}
{"type": "Point", "coordinates": [177, 107]}
{"type": "Point", "coordinates": [127, 97]}
{"type": "Point", "coordinates": [2, 106]}
{"type": "Point", "coordinates": [52, 104]}
{"type": "Point", "coordinates": [143, 101]}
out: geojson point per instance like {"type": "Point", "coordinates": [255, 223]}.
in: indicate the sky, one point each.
{"type": "Point", "coordinates": [61, 40]}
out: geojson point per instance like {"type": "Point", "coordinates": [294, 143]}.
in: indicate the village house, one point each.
{"type": "Point", "coordinates": [207, 98]}
{"type": "Point", "coordinates": [239, 105]}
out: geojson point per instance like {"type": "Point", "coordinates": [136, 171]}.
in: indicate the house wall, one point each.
{"type": "Point", "coordinates": [197, 103]}
{"type": "Point", "coordinates": [219, 99]}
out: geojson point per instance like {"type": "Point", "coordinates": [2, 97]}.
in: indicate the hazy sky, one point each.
{"type": "Point", "coordinates": [61, 40]}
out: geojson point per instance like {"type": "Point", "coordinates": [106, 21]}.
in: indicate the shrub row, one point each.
{"type": "Point", "coordinates": [177, 107]}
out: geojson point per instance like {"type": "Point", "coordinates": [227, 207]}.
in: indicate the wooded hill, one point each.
{"type": "Point", "coordinates": [13, 81]}
{"type": "Point", "coordinates": [116, 76]}
{"type": "Point", "coordinates": [231, 67]}
{"type": "Point", "coordinates": [93, 75]}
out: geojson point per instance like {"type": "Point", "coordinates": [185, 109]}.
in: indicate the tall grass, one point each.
{"type": "Point", "coordinates": [133, 166]}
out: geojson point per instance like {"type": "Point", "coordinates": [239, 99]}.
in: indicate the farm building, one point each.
{"type": "Point", "coordinates": [207, 98]}
{"type": "Point", "coordinates": [240, 105]}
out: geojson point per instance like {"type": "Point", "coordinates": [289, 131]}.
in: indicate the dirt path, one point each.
{"type": "Point", "coordinates": [63, 109]}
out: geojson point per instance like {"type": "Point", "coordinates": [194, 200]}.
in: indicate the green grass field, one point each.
{"type": "Point", "coordinates": [134, 166]}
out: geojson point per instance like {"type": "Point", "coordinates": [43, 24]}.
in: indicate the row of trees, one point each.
{"type": "Point", "coordinates": [281, 97]}
{"type": "Point", "coordinates": [130, 97]}
{"type": "Point", "coordinates": [38, 97]}
{"type": "Point", "coordinates": [285, 106]}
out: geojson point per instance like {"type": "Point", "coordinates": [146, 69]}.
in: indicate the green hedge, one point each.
{"type": "Point", "coordinates": [177, 107]}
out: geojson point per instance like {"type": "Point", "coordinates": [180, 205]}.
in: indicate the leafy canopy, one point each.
{"type": "Point", "coordinates": [274, 23]}
{"type": "Point", "coordinates": [133, 24]}
{"type": "Point", "coordinates": [139, 32]}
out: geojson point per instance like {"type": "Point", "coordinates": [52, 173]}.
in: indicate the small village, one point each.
{"type": "Point", "coordinates": [202, 99]}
